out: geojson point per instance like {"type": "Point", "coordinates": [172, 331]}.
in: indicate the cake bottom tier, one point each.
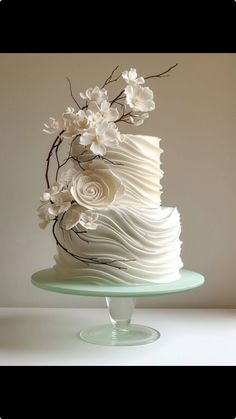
{"type": "Point", "coordinates": [129, 246]}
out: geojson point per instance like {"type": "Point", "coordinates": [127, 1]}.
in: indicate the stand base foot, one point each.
{"type": "Point", "coordinates": [107, 335]}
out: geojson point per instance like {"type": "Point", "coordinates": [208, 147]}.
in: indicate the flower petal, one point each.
{"type": "Point", "coordinates": [93, 106]}
{"type": "Point", "coordinates": [140, 80]}
{"type": "Point", "coordinates": [71, 217]}
{"type": "Point", "coordinates": [87, 138]}
{"type": "Point", "coordinates": [98, 149]}
{"type": "Point", "coordinates": [132, 74]}
{"type": "Point", "coordinates": [83, 95]}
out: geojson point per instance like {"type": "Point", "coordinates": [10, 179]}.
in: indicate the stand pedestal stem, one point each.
{"type": "Point", "coordinates": [120, 311]}
{"type": "Point", "coordinates": [120, 332]}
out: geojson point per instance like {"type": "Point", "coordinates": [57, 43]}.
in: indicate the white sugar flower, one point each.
{"type": "Point", "coordinates": [76, 214]}
{"type": "Point", "coordinates": [139, 119]}
{"type": "Point", "coordinates": [44, 216]}
{"type": "Point", "coordinates": [60, 200]}
{"type": "Point", "coordinates": [97, 188]}
{"type": "Point", "coordinates": [101, 136]}
{"type": "Point", "coordinates": [87, 220]}
{"type": "Point", "coordinates": [61, 203]}
{"type": "Point", "coordinates": [70, 123]}
{"type": "Point", "coordinates": [51, 192]}
{"type": "Point", "coordinates": [131, 77]}
{"type": "Point", "coordinates": [53, 126]}
{"type": "Point", "coordinates": [105, 110]}
{"type": "Point", "coordinates": [94, 117]}
{"type": "Point", "coordinates": [82, 121]}
{"type": "Point", "coordinates": [139, 98]}
{"type": "Point", "coordinates": [95, 94]}
{"type": "Point", "coordinates": [72, 216]}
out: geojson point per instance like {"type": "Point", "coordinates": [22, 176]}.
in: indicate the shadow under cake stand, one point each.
{"type": "Point", "coordinates": [120, 301]}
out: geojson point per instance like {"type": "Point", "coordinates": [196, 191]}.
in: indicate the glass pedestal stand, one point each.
{"type": "Point", "coordinates": [120, 302]}
{"type": "Point", "coordinates": [120, 332]}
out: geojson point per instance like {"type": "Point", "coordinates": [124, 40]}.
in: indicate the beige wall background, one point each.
{"type": "Point", "coordinates": [195, 116]}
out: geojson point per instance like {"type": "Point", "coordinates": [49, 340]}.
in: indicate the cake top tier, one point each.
{"type": "Point", "coordinates": [135, 164]}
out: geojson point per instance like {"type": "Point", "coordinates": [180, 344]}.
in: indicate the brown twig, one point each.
{"type": "Point", "coordinates": [78, 234]}
{"type": "Point", "coordinates": [57, 158]}
{"type": "Point", "coordinates": [71, 93]}
{"type": "Point", "coordinates": [96, 261]}
{"type": "Point", "coordinates": [122, 117]}
{"type": "Point", "coordinates": [54, 145]}
{"type": "Point", "coordinates": [126, 121]}
{"type": "Point", "coordinates": [161, 74]}
{"type": "Point", "coordinates": [110, 161]}
{"type": "Point", "coordinates": [109, 78]}
{"type": "Point", "coordinates": [117, 97]}
{"type": "Point", "coordinates": [85, 106]}
{"type": "Point", "coordinates": [93, 158]}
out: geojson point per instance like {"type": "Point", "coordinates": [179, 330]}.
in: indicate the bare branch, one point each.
{"type": "Point", "coordinates": [123, 116]}
{"type": "Point", "coordinates": [109, 78]}
{"type": "Point", "coordinates": [86, 260]}
{"type": "Point", "coordinates": [85, 106]}
{"type": "Point", "coordinates": [54, 145]}
{"type": "Point", "coordinates": [110, 161]}
{"type": "Point", "coordinates": [71, 93]}
{"type": "Point", "coordinates": [78, 234]}
{"type": "Point", "coordinates": [161, 74]}
{"type": "Point", "coordinates": [57, 158]}
{"type": "Point", "coordinates": [117, 97]}
{"type": "Point", "coordinates": [97, 156]}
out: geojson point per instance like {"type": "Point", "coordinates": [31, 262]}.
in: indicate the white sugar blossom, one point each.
{"type": "Point", "coordinates": [131, 77]}
{"type": "Point", "coordinates": [94, 117]}
{"type": "Point", "coordinates": [139, 98]}
{"type": "Point", "coordinates": [139, 119]}
{"type": "Point", "coordinates": [82, 121]}
{"type": "Point", "coordinates": [44, 216]}
{"type": "Point", "coordinates": [95, 94]}
{"type": "Point", "coordinates": [53, 126]}
{"type": "Point", "coordinates": [70, 123]}
{"type": "Point", "coordinates": [58, 200]}
{"type": "Point", "coordinates": [77, 214]}
{"type": "Point", "coordinates": [87, 220]}
{"type": "Point", "coordinates": [72, 216]}
{"type": "Point", "coordinates": [73, 123]}
{"type": "Point", "coordinates": [101, 136]}
{"type": "Point", "coordinates": [51, 192]}
{"type": "Point", "coordinates": [104, 110]}
{"type": "Point", "coordinates": [96, 188]}
{"type": "Point", "coordinates": [61, 203]}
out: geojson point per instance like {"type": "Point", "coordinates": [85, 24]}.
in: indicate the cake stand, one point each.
{"type": "Point", "coordinates": [120, 301]}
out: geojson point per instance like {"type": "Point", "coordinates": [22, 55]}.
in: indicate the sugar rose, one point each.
{"type": "Point", "coordinates": [96, 188]}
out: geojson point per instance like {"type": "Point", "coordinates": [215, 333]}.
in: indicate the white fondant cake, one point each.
{"type": "Point", "coordinates": [141, 236]}
{"type": "Point", "coordinates": [105, 200]}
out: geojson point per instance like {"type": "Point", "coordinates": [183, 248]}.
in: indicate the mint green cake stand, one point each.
{"type": "Point", "coordinates": [120, 302]}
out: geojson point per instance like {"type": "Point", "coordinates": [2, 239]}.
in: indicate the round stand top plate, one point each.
{"type": "Point", "coordinates": [47, 280]}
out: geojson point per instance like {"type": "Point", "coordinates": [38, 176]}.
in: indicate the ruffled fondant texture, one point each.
{"type": "Point", "coordinates": [141, 236]}
{"type": "Point", "coordinates": [148, 237]}
{"type": "Point", "coordinates": [137, 164]}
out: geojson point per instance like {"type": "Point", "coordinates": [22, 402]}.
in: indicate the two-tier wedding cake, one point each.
{"type": "Point", "coordinates": [104, 203]}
